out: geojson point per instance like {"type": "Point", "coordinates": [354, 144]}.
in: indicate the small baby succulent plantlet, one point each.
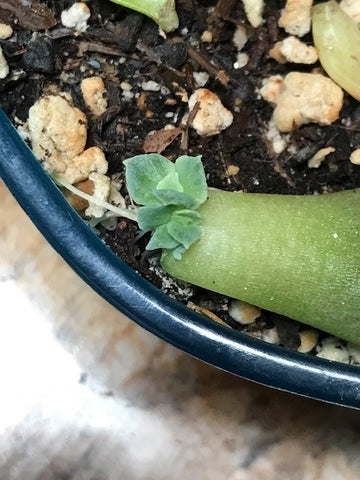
{"type": "Point", "coordinates": [170, 194]}
{"type": "Point", "coordinates": [161, 11]}
{"type": "Point", "coordinates": [295, 255]}
{"type": "Point", "coordinates": [337, 38]}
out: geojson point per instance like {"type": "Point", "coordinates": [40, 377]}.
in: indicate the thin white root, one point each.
{"type": "Point", "coordinates": [131, 214]}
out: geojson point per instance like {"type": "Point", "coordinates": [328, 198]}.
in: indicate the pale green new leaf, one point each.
{"type": "Point", "coordinates": [171, 197]}
{"type": "Point", "coordinates": [170, 182]}
{"type": "Point", "coordinates": [152, 216]}
{"type": "Point", "coordinates": [161, 238]}
{"type": "Point", "coordinates": [186, 233]}
{"type": "Point", "coordinates": [192, 178]}
{"type": "Point", "coordinates": [143, 173]}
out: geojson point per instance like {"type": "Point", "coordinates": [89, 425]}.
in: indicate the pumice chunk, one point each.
{"type": "Point", "coordinates": [296, 17]}
{"type": "Point", "coordinates": [58, 133]}
{"type": "Point", "coordinates": [304, 98]}
{"type": "Point", "coordinates": [212, 116]}
{"type": "Point", "coordinates": [94, 92]}
{"type": "Point", "coordinates": [291, 49]}
{"type": "Point", "coordinates": [254, 10]}
{"type": "Point", "coordinates": [76, 16]}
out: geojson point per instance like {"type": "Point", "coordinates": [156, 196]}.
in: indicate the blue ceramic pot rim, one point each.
{"type": "Point", "coordinates": [121, 286]}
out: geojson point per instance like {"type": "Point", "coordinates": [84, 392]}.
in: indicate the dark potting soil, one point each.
{"type": "Point", "coordinates": [122, 46]}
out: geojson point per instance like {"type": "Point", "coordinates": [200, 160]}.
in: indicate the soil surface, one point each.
{"type": "Point", "coordinates": [127, 51]}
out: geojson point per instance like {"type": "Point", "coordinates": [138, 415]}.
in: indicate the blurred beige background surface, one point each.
{"type": "Point", "coordinates": [88, 395]}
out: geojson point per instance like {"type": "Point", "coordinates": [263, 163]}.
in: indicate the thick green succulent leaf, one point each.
{"type": "Point", "coordinates": [192, 178]}
{"type": "Point", "coordinates": [143, 174]}
{"type": "Point", "coordinates": [337, 38]}
{"type": "Point", "coordinates": [296, 255]}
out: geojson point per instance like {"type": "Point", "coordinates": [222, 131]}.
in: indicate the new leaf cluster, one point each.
{"type": "Point", "coordinates": [170, 194]}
